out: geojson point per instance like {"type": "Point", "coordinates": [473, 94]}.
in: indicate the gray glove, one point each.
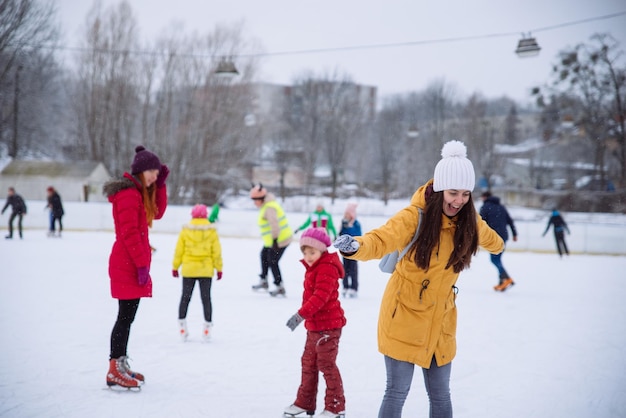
{"type": "Point", "coordinates": [294, 321]}
{"type": "Point", "coordinates": [346, 244]}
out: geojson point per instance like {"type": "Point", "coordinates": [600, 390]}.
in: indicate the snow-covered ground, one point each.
{"type": "Point", "coordinates": [552, 346]}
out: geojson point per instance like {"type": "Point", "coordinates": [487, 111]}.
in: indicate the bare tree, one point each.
{"type": "Point", "coordinates": [109, 98]}
{"type": "Point", "coordinates": [28, 31]}
{"type": "Point", "coordinates": [590, 76]}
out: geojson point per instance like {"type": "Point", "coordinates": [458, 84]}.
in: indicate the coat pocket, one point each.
{"type": "Point", "coordinates": [410, 323]}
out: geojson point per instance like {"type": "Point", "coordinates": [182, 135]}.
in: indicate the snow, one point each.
{"type": "Point", "coordinates": [552, 346]}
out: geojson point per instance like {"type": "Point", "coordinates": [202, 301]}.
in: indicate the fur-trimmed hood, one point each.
{"type": "Point", "coordinates": [116, 185]}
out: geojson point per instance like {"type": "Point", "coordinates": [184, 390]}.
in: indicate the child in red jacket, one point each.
{"type": "Point", "coordinates": [324, 318]}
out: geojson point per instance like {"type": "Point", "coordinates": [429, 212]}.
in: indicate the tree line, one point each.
{"type": "Point", "coordinates": [115, 92]}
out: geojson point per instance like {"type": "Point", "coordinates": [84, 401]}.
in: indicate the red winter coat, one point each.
{"type": "Point", "coordinates": [320, 300]}
{"type": "Point", "coordinates": [131, 248]}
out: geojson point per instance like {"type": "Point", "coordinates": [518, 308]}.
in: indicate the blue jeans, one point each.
{"type": "Point", "coordinates": [496, 259]}
{"type": "Point", "coordinates": [399, 377]}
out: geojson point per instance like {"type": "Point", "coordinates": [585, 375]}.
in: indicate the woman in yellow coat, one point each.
{"type": "Point", "coordinates": [417, 320]}
{"type": "Point", "coordinates": [199, 251]}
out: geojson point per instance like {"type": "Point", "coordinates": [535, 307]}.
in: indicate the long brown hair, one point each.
{"type": "Point", "coordinates": [148, 194]}
{"type": "Point", "coordinates": [465, 236]}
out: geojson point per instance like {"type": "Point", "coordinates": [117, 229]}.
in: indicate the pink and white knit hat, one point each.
{"type": "Point", "coordinates": [316, 238]}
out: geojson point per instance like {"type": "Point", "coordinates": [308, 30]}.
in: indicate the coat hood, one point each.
{"type": "Point", "coordinates": [419, 197]}
{"type": "Point", "coordinates": [116, 185]}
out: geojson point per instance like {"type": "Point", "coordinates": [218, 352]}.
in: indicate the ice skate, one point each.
{"type": "Point", "coordinates": [117, 375]}
{"type": "Point", "coordinates": [352, 294]}
{"type": "Point", "coordinates": [135, 375]}
{"type": "Point", "coordinates": [328, 414]}
{"type": "Point", "coordinates": [262, 285]}
{"type": "Point", "coordinates": [294, 411]}
{"type": "Point", "coordinates": [206, 330]}
{"type": "Point", "coordinates": [279, 291]}
{"type": "Point", "coordinates": [182, 329]}
{"type": "Point", "coordinates": [506, 283]}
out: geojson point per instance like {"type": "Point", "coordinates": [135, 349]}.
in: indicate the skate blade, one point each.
{"type": "Point", "coordinates": [119, 389]}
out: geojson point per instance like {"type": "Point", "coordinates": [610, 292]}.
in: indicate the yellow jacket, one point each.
{"type": "Point", "coordinates": [198, 249]}
{"type": "Point", "coordinates": [417, 319]}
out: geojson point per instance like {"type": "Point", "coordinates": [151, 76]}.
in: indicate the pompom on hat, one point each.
{"type": "Point", "coordinates": [199, 211]}
{"type": "Point", "coordinates": [454, 170]}
{"type": "Point", "coordinates": [144, 160]}
{"type": "Point", "coordinates": [258, 192]}
{"type": "Point", "coordinates": [316, 238]}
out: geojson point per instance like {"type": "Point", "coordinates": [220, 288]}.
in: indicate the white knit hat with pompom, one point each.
{"type": "Point", "coordinates": [454, 171]}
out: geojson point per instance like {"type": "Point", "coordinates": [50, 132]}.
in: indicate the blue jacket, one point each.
{"type": "Point", "coordinates": [497, 217]}
{"type": "Point", "coordinates": [347, 229]}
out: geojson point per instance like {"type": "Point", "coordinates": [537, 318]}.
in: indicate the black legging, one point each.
{"type": "Point", "coordinates": [121, 329]}
{"type": "Point", "coordinates": [561, 246]}
{"type": "Point", "coordinates": [205, 294]}
{"type": "Point", "coordinates": [19, 223]}
{"type": "Point", "coordinates": [269, 260]}
{"type": "Point", "coordinates": [351, 279]}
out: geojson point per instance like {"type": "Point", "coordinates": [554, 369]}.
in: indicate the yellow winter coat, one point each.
{"type": "Point", "coordinates": [417, 317]}
{"type": "Point", "coordinates": [198, 249]}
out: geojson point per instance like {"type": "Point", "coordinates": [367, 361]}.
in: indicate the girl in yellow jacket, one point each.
{"type": "Point", "coordinates": [417, 319]}
{"type": "Point", "coordinates": [199, 251]}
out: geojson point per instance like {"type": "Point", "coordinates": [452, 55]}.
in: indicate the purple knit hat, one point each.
{"type": "Point", "coordinates": [316, 238]}
{"type": "Point", "coordinates": [144, 160]}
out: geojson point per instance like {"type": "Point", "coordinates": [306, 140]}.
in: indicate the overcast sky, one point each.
{"type": "Point", "coordinates": [487, 65]}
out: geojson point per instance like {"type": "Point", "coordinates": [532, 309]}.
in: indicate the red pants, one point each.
{"type": "Point", "coordinates": [320, 355]}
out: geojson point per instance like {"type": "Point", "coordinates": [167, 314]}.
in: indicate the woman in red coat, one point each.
{"type": "Point", "coordinates": [138, 198]}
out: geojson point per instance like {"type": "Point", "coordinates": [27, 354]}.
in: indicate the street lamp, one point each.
{"type": "Point", "coordinates": [527, 47]}
{"type": "Point", "coordinates": [226, 69]}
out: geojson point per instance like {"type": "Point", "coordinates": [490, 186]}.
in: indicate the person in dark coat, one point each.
{"type": "Point", "coordinates": [498, 218]}
{"type": "Point", "coordinates": [560, 227]}
{"type": "Point", "coordinates": [56, 211]}
{"type": "Point", "coordinates": [18, 210]}
{"type": "Point", "coordinates": [350, 226]}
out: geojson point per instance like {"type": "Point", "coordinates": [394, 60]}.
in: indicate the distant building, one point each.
{"type": "Point", "coordinates": [77, 181]}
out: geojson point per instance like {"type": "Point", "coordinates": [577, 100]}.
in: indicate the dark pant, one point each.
{"type": "Point", "coordinates": [269, 261]}
{"type": "Point", "coordinates": [205, 294]}
{"type": "Point", "coordinates": [54, 218]}
{"type": "Point", "coordinates": [121, 330]}
{"type": "Point", "coordinates": [496, 260]}
{"type": "Point", "coordinates": [399, 377]}
{"type": "Point", "coordinates": [351, 279]}
{"type": "Point", "coordinates": [561, 246]}
{"type": "Point", "coordinates": [19, 217]}
{"type": "Point", "coordinates": [320, 355]}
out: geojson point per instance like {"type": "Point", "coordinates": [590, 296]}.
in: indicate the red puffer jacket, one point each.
{"type": "Point", "coordinates": [320, 300]}
{"type": "Point", "coordinates": [131, 248]}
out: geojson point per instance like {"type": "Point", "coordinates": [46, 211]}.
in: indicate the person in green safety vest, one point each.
{"type": "Point", "coordinates": [320, 219]}
{"type": "Point", "coordinates": [276, 235]}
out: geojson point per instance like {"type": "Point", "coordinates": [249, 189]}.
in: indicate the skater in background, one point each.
{"type": "Point", "coordinates": [319, 218]}
{"type": "Point", "coordinates": [350, 226]}
{"type": "Point", "coordinates": [323, 319]}
{"type": "Point", "coordinates": [557, 221]}
{"type": "Point", "coordinates": [199, 252]}
{"type": "Point", "coordinates": [18, 210]}
{"type": "Point", "coordinates": [276, 235]}
{"type": "Point", "coordinates": [418, 316]}
{"type": "Point", "coordinates": [138, 198]}
{"type": "Point", "coordinates": [498, 218]}
{"type": "Point", "coordinates": [56, 211]}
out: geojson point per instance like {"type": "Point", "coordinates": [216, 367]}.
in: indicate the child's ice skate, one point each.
{"type": "Point", "coordinates": [294, 411]}
{"type": "Point", "coordinates": [262, 285]}
{"type": "Point", "coordinates": [206, 330]}
{"type": "Point", "coordinates": [117, 375]}
{"type": "Point", "coordinates": [182, 329]}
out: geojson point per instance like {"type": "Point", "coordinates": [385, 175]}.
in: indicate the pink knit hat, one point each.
{"type": "Point", "coordinates": [316, 238]}
{"type": "Point", "coordinates": [199, 211]}
{"type": "Point", "coordinates": [350, 211]}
